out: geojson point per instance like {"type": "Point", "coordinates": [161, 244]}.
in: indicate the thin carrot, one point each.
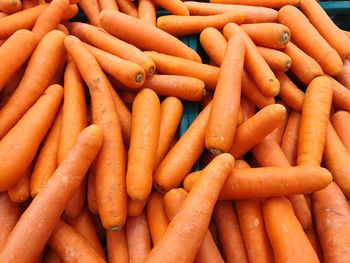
{"type": "Point", "coordinates": [10, 6]}
{"type": "Point", "coordinates": [343, 77]}
{"type": "Point", "coordinates": [300, 27]}
{"type": "Point", "coordinates": [128, 7]}
{"type": "Point", "coordinates": [341, 95]}
{"type": "Point", "coordinates": [214, 44]}
{"type": "Point", "coordinates": [20, 192]}
{"type": "Point", "coordinates": [52, 257]}
{"type": "Point", "coordinates": [253, 14]}
{"type": "Point", "coordinates": [77, 202]}
{"type": "Point", "coordinates": [221, 127]}
{"type": "Point", "coordinates": [170, 116]}
{"type": "Point", "coordinates": [277, 133]}
{"type": "Point", "coordinates": [40, 69]}
{"type": "Point", "coordinates": [173, 201]}
{"type": "Point", "coordinates": [288, 240]}
{"type": "Point", "coordinates": [108, 5]}
{"type": "Point", "coordinates": [248, 108]}
{"type": "Point", "coordinates": [277, 60]}
{"type": "Point", "coordinates": [91, 9]}
{"type": "Point", "coordinates": [173, 169]}
{"type": "Point", "coordinates": [290, 137]}
{"type": "Point", "coordinates": [340, 121]}
{"type": "Point", "coordinates": [117, 246]}
{"type": "Point", "coordinates": [255, 63]}
{"type": "Point", "coordinates": [27, 245]}
{"type": "Point", "coordinates": [136, 207]}
{"type": "Point", "coordinates": [266, 3]}
{"type": "Point", "coordinates": [175, 7]}
{"type": "Point", "coordinates": [120, 25]}
{"type": "Point", "coordinates": [314, 121]}
{"type": "Point", "coordinates": [189, 240]}
{"type": "Point", "coordinates": [138, 236]}
{"type": "Point", "coordinates": [147, 12]}
{"type": "Point", "coordinates": [20, 45]}
{"type": "Point", "coordinates": [91, 191]}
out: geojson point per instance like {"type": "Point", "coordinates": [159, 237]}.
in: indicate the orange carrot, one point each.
{"type": "Point", "coordinates": [213, 43]}
{"type": "Point", "coordinates": [52, 257]}
{"type": "Point", "coordinates": [108, 5]}
{"type": "Point", "coordinates": [20, 192]}
{"type": "Point", "coordinates": [300, 27]}
{"type": "Point", "coordinates": [128, 97]}
{"type": "Point", "coordinates": [120, 25]}
{"type": "Point", "coordinates": [175, 7]}
{"type": "Point", "coordinates": [173, 201]}
{"type": "Point", "coordinates": [221, 127]}
{"type": "Point", "coordinates": [255, 63]}
{"type": "Point", "coordinates": [49, 204]}
{"type": "Point", "coordinates": [10, 6]}
{"type": "Point", "coordinates": [91, 191]}
{"type": "Point", "coordinates": [314, 121]}
{"type": "Point", "coordinates": [117, 246]}
{"type": "Point", "coordinates": [78, 200]}
{"type": "Point", "coordinates": [147, 12]}
{"type": "Point", "coordinates": [311, 234]}
{"type": "Point", "coordinates": [277, 60]}
{"type": "Point", "coordinates": [340, 122]}
{"type": "Point", "coordinates": [58, 77]}
{"type": "Point", "coordinates": [288, 240]}
{"type": "Point", "coordinates": [135, 207]}
{"type": "Point", "coordinates": [248, 108]}
{"type": "Point", "coordinates": [266, 3]}
{"type": "Point", "coordinates": [91, 9]}
{"type": "Point", "coordinates": [128, 7]}
{"type": "Point", "coordinates": [341, 95]}
{"type": "Point", "coordinates": [138, 236]}
{"type": "Point", "coordinates": [343, 77]}
{"type": "Point", "coordinates": [277, 133]}
{"type": "Point", "coordinates": [290, 137]}
{"type": "Point", "coordinates": [173, 169]}
{"type": "Point", "coordinates": [40, 69]}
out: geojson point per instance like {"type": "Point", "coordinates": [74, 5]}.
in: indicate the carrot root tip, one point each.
{"type": "Point", "coordinates": [151, 70]}
{"type": "Point", "coordinates": [288, 64]}
{"type": "Point", "coordinates": [139, 77]}
{"type": "Point", "coordinates": [116, 228]}
{"type": "Point", "coordinates": [215, 151]}
{"type": "Point", "coordinates": [285, 37]}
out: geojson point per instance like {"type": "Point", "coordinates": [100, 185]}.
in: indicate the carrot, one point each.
{"type": "Point", "coordinates": [179, 66]}
{"type": "Point", "coordinates": [300, 27]}
{"type": "Point", "coordinates": [311, 234]}
{"type": "Point", "coordinates": [248, 108]}
{"type": "Point", "coordinates": [253, 130]}
{"type": "Point", "coordinates": [27, 240]}
{"type": "Point", "coordinates": [138, 236]}
{"type": "Point", "coordinates": [110, 162]}
{"type": "Point", "coordinates": [170, 116]}
{"type": "Point", "coordinates": [173, 169]}
{"type": "Point", "coordinates": [77, 202]}
{"type": "Point", "coordinates": [189, 240]}
{"type": "Point", "coordinates": [46, 162]}
{"type": "Point", "coordinates": [277, 60]}
{"type": "Point", "coordinates": [340, 122]}
{"type": "Point", "coordinates": [277, 133]}
{"type": "Point", "coordinates": [253, 14]}
{"type": "Point", "coordinates": [10, 6]}
{"type": "Point", "coordinates": [187, 25]}
{"type": "Point", "coordinates": [332, 216]}
{"type": "Point", "coordinates": [117, 246]}
{"type": "Point", "coordinates": [84, 225]}
{"type": "Point", "coordinates": [58, 77]}
{"type": "Point", "coordinates": [326, 27]}
{"type": "Point", "coordinates": [10, 213]}
{"type": "Point", "coordinates": [255, 63]}
{"type": "Point", "coordinates": [288, 240]}
{"type": "Point", "coordinates": [20, 192]}
{"type": "Point", "coordinates": [71, 246]}
{"type": "Point", "coordinates": [341, 95]}
{"type": "Point", "coordinates": [26, 4]}
{"type": "Point", "coordinates": [156, 216]}
{"type": "Point", "coordinates": [173, 201]}
{"type": "Point", "coordinates": [108, 5]}
{"type": "Point", "coordinates": [91, 9]}
{"type": "Point", "coordinates": [343, 77]}
{"type": "Point", "coordinates": [213, 43]}
{"type": "Point", "coordinates": [221, 127]}
{"type": "Point", "coordinates": [40, 69]}
{"type": "Point", "coordinates": [175, 7]}
{"type": "Point", "coordinates": [91, 191]}
{"type": "Point", "coordinates": [120, 25]}
{"type": "Point", "coordinates": [182, 87]}
{"type": "Point", "coordinates": [127, 7]}
{"type": "Point", "coordinates": [20, 45]}
{"type": "Point", "coordinates": [314, 121]}
{"type": "Point", "coordinates": [100, 39]}
{"type": "Point", "coordinates": [127, 97]}
{"type": "Point", "coordinates": [52, 257]}
{"type": "Point", "coordinates": [147, 12]}
{"type": "Point", "coordinates": [135, 207]}
{"type": "Point", "coordinates": [290, 137]}
{"type": "Point", "coordinates": [265, 3]}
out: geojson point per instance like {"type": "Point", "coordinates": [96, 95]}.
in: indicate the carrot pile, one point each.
{"type": "Point", "coordinates": [91, 165]}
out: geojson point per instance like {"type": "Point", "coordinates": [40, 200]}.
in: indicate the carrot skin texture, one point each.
{"type": "Point", "coordinates": [340, 122]}
{"type": "Point", "coordinates": [92, 10]}
{"type": "Point", "coordinates": [128, 7]}
{"type": "Point", "coordinates": [175, 7]}
{"type": "Point", "coordinates": [117, 246]}
{"type": "Point", "coordinates": [20, 192]}
{"type": "Point", "coordinates": [147, 12]}
{"type": "Point", "coordinates": [136, 207]}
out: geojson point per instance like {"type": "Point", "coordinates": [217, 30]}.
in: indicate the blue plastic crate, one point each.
{"type": "Point", "coordinates": [339, 11]}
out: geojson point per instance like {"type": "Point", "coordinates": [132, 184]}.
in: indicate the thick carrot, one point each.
{"type": "Point", "coordinates": [147, 12]}
{"type": "Point", "coordinates": [221, 127]}
{"type": "Point", "coordinates": [187, 25]}
{"type": "Point", "coordinates": [304, 67]}
{"type": "Point", "coordinates": [332, 216]}
{"type": "Point", "coordinates": [20, 192]}
{"type": "Point", "coordinates": [135, 207]}
{"type": "Point", "coordinates": [248, 108]}
{"type": "Point", "coordinates": [100, 39]}
{"type": "Point", "coordinates": [156, 216]}
{"type": "Point", "coordinates": [179, 66]}
{"type": "Point", "coordinates": [139, 239]}
{"type": "Point", "coordinates": [27, 240]}
{"type": "Point", "coordinates": [255, 63]}
{"type": "Point", "coordinates": [300, 27]}
{"type": "Point", "coordinates": [91, 191]}
{"type": "Point", "coordinates": [175, 7]}
{"type": "Point", "coordinates": [288, 240]}
{"type": "Point", "coordinates": [343, 77]}
{"type": "Point", "coordinates": [173, 169]}
{"type": "Point", "coordinates": [277, 133]}
{"type": "Point", "coordinates": [314, 121]}
{"type": "Point", "coordinates": [266, 3]}
{"type": "Point", "coordinates": [40, 69]}
{"type": "Point", "coordinates": [253, 14]}
{"type": "Point", "coordinates": [120, 25]}
{"type": "Point", "coordinates": [253, 130]}
{"type": "Point", "coordinates": [47, 160]}
{"type": "Point", "coordinates": [128, 7]}
{"type": "Point", "coordinates": [52, 257]}
{"type": "Point", "coordinates": [340, 122]}
{"type": "Point", "coordinates": [290, 137]}
{"type": "Point", "coordinates": [108, 5]}
{"type": "Point", "coordinates": [117, 246]}
{"type": "Point", "coordinates": [277, 60]}
{"type": "Point", "coordinates": [91, 9]}
{"type": "Point", "coordinates": [214, 44]}
{"type": "Point", "coordinates": [10, 213]}
{"type": "Point", "coordinates": [326, 27]}
{"type": "Point", "coordinates": [20, 45]}
{"type": "Point", "coordinates": [341, 95]}
{"type": "Point", "coordinates": [10, 6]}
{"type": "Point", "coordinates": [182, 238]}
{"type": "Point", "coordinates": [143, 144]}
{"type": "Point", "coordinates": [71, 246]}
{"type": "Point", "coordinates": [170, 116]}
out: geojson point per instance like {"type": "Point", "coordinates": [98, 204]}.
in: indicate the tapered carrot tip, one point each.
{"type": "Point", "coordinates": [215, 151]}
{"type": "Point", "coordinates": [285, 37]}
{"type": "Point", "coordinates": [275, 87]}
{"type": "Point", "coordinates": [93, 131]}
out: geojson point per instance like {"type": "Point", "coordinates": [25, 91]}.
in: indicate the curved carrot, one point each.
{"type": "Point", "coordinates": [108, 5]}
{"type": "Point", "coordinates": [290, 137]}
{"type": "Point", "coordinates": [128, 7]}
{"type": "Point", "coordinates": [20, 192]}
{"type": "Point", "coordinates": [277, 133]}
{"type": "Point", "coordinates": [41, 67]}
{"type": "Point", "coordinates": [175, 7]}
{"type": "Point", "coordinates": [213, 43]}
{"type": "Point", "coordinates": [117, 246]}
{"type": "Point", "coordinates": [120, 25]}
{"type": "Point", "coordinates": [277, 60]}
{"type": "Point", "coordinates": [343, 77]}
{"type": "Point", "coordinates": [255, 63]}
{"type": "Point", "coordinates": [288, 240]}
{"type": "Point", "coordinates": [314, 121]}
{"type": "Point", "coordinates": [221, 127]}
{"type": "Point", "coordinates": [100, 39]}
{"type": "Point", "coordinates": [48, 205]}
{"type": "Point", "coordinates": [147, 12]}
{"type": "Point", "coordinates": [78, 200]}
{"type": "Point", "coordinates": [253, 14]}
{"type": "Point", "coordinates": [266, 3]}
{"type": "Point", "coordinates": [20, 45]}
{"type": "Point", "coordinates": [340, 121]}
{"type": "Point", "coordinates": [341, 95]}
{"type": "Point", "coordinates": [179, 66]}
{"type": "Point", "coordinates": [300, 27]}
{"type": "Point", "coordinates": [170, 116]}
{"type": "Point", "coordinates": [326, 27]}
{"type": "Point", "coordinates": [136, 207]}
{"type": "Point", "coordinates": [91, 9]}
{"type": "Point", "coordinates": [10, 6]}
{"type": "Point", "coordinates": [173, 169]}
